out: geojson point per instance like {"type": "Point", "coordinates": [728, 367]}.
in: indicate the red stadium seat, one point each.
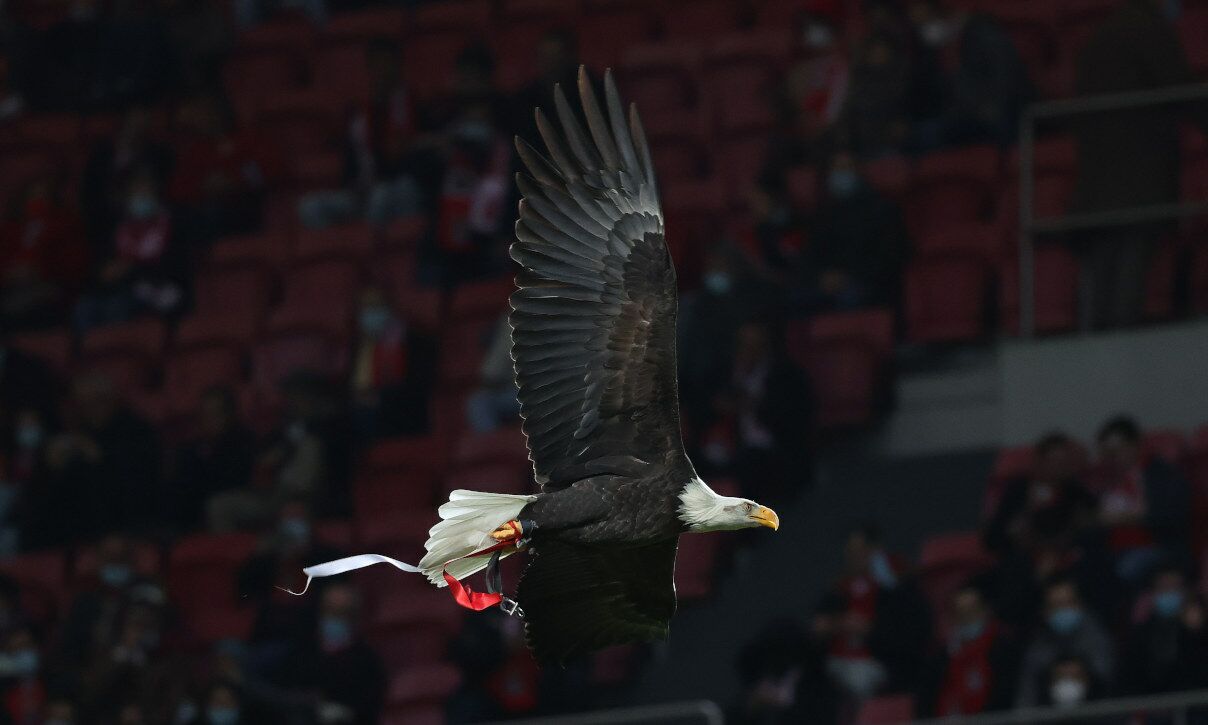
{"type": "Point", "coordinates": [319, 296]}
{"type": "Point", "coordinates": [208, 625]}
{"type": "Point", "coordinates": [945, 298]}
{"type": "Point", "coordinates": [429, 59]}
{"type": "Point", "coordinates": [53, 346]}
{"type": "Point", "coordinates": [380, 492]}
{"type": "Point", "coordinates": [886, 710]}
{"type": "Point", "coordinates": [423, 684]}
{"type": "Point", "coordinates": [1169, 445]}
{"type": "Point", "coordinates": [935, 206]}
{"type": "Point", "coordinates": [462, 15]}
{"type": "Point", "coordinates": [248, 78]}
{"type": "Point", "coordinates": [678, 157]}
{"type": "Point", "coordinates": [889, 175]}
{"type": "Point", "coordinates": [1057, 155]}
{"type": "Point", "coordinates": [661, 77]}
{"type": "Point", "coordinates": [479, 300]}
{"type": "Point", "coordinates": [342, 72]}
{"type": "Point", "coordinates": [492, 477]}
{"type": "Point", "coordinates": [201, 570]}
{"type": "Point", "coordinates": [696, 565]}
{"type": "Point", "coordinates": [963, 547]}
{"type": "Point", "coordinates": [400, 533]}
{"type": "Point", "coordinates": [209, 329]}
{"type": "Point", "coordinates": [693, 19]}
{"type": "Point", "coordinates": [846, 356]}
{"type": "Point", "coordinates": [448, 412]}
{"type": "Point", "coordinates": [605, 33]}
{"type": "Point", "coordinates": [405, 232]}
{"type": "Point", "coordinates": [1193, 32]}
{"type": "Point", "coordinates": [505, 445]}
{"type": "Point", "coordinates": [972, 237]}
{"type": "Point", "coordinates": [770, 47]}
{"type": "Point", "coordinates": [1056, 291]}
{"type": "Point", "coordinates": [405, 646]}
{"type": "Point", "coordinates": [973, 164]}
{"type": "Point", "coordinates": [268, 249]}
{"type": "Point", "coordinates": [52, 131]}
{"type": "Point", "coordinates": [1199, 277]}
{"type": "Point", "coordinates": [741, 96]}
{"type": "Point", "coordinates": [275, 359]}
{"type": "Point", "coordinates": [143, 337]}
{"type": "Point", "coordinates": [348, 241]}
{"type": "Point", "coordinates": [230, 290]}
{"type": "Point", "coordinates": [188, 374]}
{"type": "Point", "coordinates": [41, 581]}
{"type": "Point", "coordinates": [368, 24]}
{"type": "Point", "coordinates": [1160, 281]}
{"type": "Point", "coordinates": [148, 561]}
{"type": "Point", "coordinates": [429, 453]}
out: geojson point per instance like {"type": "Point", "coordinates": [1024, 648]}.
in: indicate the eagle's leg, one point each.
{"type": "Point", "coordinates": [510, 531]}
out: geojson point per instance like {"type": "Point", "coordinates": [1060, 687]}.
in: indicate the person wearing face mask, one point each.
{"type": "Point", "coordinates": [1069, 683]}
{"type": "Point", "coordinates": [1069, 629]}
{"type": "Point", "coordinates": [218, 458]}
{"type": "Point", "coordinates": [857, 244]}
{"type": "Point", "coordinates": [1168, 647]}
{"type": "Point", "coordinates": [975, 671]}
{"type": "Point", "coordinates": [142, 267]}
{"type": "Point", "coordinates": [879, 623]}
{"type": "Point", "coordinates": [22, 691]}
{"type": "Point", "coordinates": [970, 83]}
{"type": "Point", "coordinates": [392, 370]}
{"type": "Point", "coordinates": [334, 663]}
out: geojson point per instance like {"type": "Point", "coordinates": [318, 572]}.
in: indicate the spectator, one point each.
{"type": "Point", "coordinates": [876, 621]}
{"type": "Point", "coordinates": [304, 460]}
{"type": "Point", "coordinates": [22, 690]}
{"type": "Point", "coordinates": [102, 471]}
{"type": "Point", "coordinates": [384, 153]}
{"type": "Point", "coordinates": [336, 664]}
{"type": "Point", "coordinates": [1071, 683]}
{"type": "Point", "coordinates": [393, 370]}
{"type": "Point", "coordinates": [1069, 630]}
{"type": "Point", "coordinates": [21, 456]}
{"type": "Point", "coordinates": [96, 613]}
{"type": "Point", "coordinates": [876, 117]}
{"type": "Point", "coordinates": [1127, 158]}
{"type": "Point", "coordinates": [731, 293]}
{"type": "Point", "coordinates": [974, 74]}
{"type": "Point", "coordinates": [770, 672]}
{"type": "Point", "coordinates": [810, 97]}
{"type": "Point", "coordinates": [1144, 505]}
{"type": "Point", "coordinates": [1045, 508]}
{"type": "Point", "coordinates": [111, 163]}
{"type": "Point", "coordinates": [222, 172]}
{"type": "Point", "coordinates": [12, 104]}
{"type": "Point", "coordinates": [557, 55]}
{"type": "Point", "coordinates": [223, 706]}
{"type": "Point", "coordinates": [976, 671]}
{"type": "Point", "coordinates": [143, 268]}
{"type": "Point", "coordinates": [217, 459]}
{"type": "Point", "coordinates": [284, 551]}
{"type": "Point", "coordinates": [493, 403]}
{"type": "Point", "coordinates": [1168, 648]}
{"type": "Point", "coordinates": [500, 680]}
{"type": "Point", "coordinates": [857, 244]}
{"type": "Point", "coordinates": [760, 418]}
{"type": "Point", "coordinates": [43, 258]}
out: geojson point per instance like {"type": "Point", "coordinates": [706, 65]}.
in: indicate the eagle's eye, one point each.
{"type": "Point", "coordinates": [749, 507]}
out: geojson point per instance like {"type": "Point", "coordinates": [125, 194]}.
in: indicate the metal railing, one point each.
{"type": "Point", "coordinates": [1029, 227]}
{"type": "Point", "coordinates": [1177, 706]}
{"type": "Point", "coordinates": [695, 712]}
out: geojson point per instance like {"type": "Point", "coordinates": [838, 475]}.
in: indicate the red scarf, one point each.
{"type": "Point", "coordinates": [969, 676]}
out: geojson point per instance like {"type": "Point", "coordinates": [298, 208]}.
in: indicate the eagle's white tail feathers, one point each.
{"type": "Point", "coordinates": [467, 520]}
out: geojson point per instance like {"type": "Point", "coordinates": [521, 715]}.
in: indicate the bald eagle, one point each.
{"type": "Point", "coordinates": [593, 340]}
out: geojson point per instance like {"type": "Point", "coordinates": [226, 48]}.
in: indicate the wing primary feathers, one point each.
{"type": "Point", "coordinates": [554, 145]}
{"type": "Point", "coordinates": [539, 166]}
{"type": "Point", "coordinates": [616, 116]}
{"type": "Point", "coordinates": [639, 137]}
{"type": "Point", "coordinates": [574, 132]}
{"type": "Point", "coordinates": [596, 122]}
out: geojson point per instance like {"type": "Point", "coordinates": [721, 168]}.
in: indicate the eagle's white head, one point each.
{"type": "Point", "coordinates": [703, 509]}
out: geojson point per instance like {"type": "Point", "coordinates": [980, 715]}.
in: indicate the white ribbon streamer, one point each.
{"type": "Point", "coordinates": [349, 563]}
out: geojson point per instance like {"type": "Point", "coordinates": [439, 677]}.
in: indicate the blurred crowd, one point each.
{"type": "Point", "coordinates": [118, 235]}
{"type": "Point", "coordinates": [1085, 586]}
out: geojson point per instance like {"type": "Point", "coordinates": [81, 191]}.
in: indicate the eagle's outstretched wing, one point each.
{"type": "Point", "coordinates": [578, 599]}
{"type": "Point", "coordinates": [593, 320]}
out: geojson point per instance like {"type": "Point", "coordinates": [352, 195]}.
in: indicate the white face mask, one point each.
{"type": "Point", "coordinates": [936, 32]}
{"type": "Point", "coordinates": [819, 37]}
{"type": "Point", "coordinates": [1068, 692]}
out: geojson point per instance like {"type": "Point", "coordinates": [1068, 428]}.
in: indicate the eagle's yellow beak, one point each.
{"type": "Point", "coordinates": [765, 516]}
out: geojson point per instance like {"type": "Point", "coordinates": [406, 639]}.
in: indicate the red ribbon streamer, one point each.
{"type": "Point", "coordinates": [467, 597]}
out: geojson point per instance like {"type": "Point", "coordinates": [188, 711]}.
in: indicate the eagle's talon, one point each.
{"type": "Point", "coordinates": [508, 532]}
